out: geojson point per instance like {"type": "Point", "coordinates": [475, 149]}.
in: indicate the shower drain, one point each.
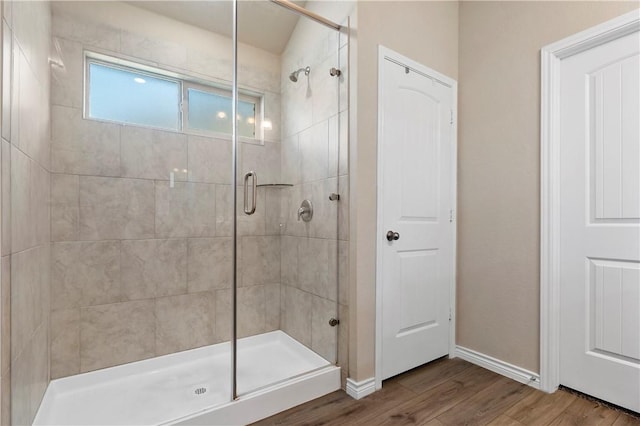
{"type": "Point", "coordinates": [200, 391]}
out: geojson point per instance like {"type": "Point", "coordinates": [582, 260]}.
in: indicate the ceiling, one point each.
{"type": "Point", "coordinates": [260, 23]}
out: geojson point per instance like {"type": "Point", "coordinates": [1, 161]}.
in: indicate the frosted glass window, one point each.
{"type": "Point", "coordinates": [212, 111]}
{"type": "Point", "coordinates": [116, 94]}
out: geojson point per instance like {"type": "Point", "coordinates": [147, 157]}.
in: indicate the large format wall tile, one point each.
{"type": "Point", "coordinates": [209, 264]}
{"type": "Point", "coordinates": [30, 377]}
{"type": "Point", "coordinates": [27, 301]}
{"type": "Point", "coordinates": [89, 32]}
{"type": "Point", "coordinates": [40, 194]}
{"type": "Point", "coordinates": [164, 52]}
{"type": "Point", "coordinates": [274, 219]}
{"type": "Point", "coordinates": [289, 260]}
{"type": "Point", "coordinates": [21, 227]}
{"type": "Point", "coordinates": [186, 210]}
{"type": "Point", "coordinates": [324, 338]}
{"type": "Point", "coordinates": [65, 342]}
{"type": "Point", "coordinates": [209, 160]}
{"type": "Point", "coordinates": [65, 207]}
{"type": "Point", "coordinates": [296, 314]}
{"type": "Point", "coordinates": [85, 273]}
{"type": "Point", "coordinates": [260, 260]}
{"type": "Point", "coordinates": [32, 129]}
{"type": "Point", "coordinates": [272, 299]}
{"type": "Point", "coordinates": [317, 267]}
{"type": "Point", "coordinates": [184, 322]}
{"type": "Point", "coordinates": [5, 317]}
{"type": "Point", "coordinates": [252, 311]}
{"type": "Point", "coordinates": [290, 160]}
{"type": "Point", "coordinates": [326, 91]}
{"type": "Point", "coordinates": [113, 208]}
{"type": "Point", "coordinates": [116, 334]}
{"type": "Point", "coordinates": [153, 154]}
{"type": "Point", "coordinates": [5, 208]}
{"type": "Point", "coordinates": [254, 224]}
{"type": "Point", "coordinates": [264, 160]}
{"type": "Point", "coordinates": [82, 146]}
{"type": "Point", "coordinates": [66, 72]}
{"type": "Point", "coordinates": [325, 212]}
{"type": "Point", "coordinates": [314, 152]}
{"type": "Point", "coordinates": [154, 268]}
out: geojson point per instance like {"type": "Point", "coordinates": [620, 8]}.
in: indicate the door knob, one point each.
{"type": "Point", "coordinates": [391, 236]}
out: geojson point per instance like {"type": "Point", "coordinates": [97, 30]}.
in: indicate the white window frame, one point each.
{"type": "Point", "coordinates": [256, 99]}
{"type": "Point", "coordinates": [185, 83]}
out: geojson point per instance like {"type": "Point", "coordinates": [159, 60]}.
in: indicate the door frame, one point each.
{"type": "Point", "coordinates": [388, 54]}
{"type": "Point", "coordinates": [551, 58]}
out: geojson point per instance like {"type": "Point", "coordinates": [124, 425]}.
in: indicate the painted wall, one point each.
{"type": "Point", "coordinates": [26, 34]}
{"type": "Point", "coordinates": [499, 167]}
{"type": "Point", "coordinates": [428, 33]}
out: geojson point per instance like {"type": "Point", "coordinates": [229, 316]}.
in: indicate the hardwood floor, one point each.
{"type": "Point", "coordinates": [453, 392]}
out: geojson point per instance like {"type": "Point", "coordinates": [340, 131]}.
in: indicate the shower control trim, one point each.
{"type": "Point", "coordinates": [305, 212]}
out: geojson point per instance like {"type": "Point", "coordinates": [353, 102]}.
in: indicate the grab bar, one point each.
{"type": "Point", "coordinates": [254, 186]}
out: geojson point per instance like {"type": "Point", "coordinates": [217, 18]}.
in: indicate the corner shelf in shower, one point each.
{"type": "Point", "coordinates": [275, 185]}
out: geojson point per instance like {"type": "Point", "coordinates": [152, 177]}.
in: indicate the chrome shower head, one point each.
{"type": "Point", "coordinates": [294, 75]}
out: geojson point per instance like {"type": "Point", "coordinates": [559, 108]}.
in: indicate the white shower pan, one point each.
{"type": "Point", "coordinates": [193, 387]}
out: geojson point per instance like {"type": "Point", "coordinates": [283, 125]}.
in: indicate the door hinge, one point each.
{"type": "Point", "coordinates": [451, 122]}
{"type": "Point", "coordinates": [450, 216]}
{"type": "Point", "coordinates": [450, 315]}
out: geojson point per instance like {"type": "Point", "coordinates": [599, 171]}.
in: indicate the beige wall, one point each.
{"type": "Point", "coordinates": [499, 168]}
{"type": "Point", "coordinates": [428, 33]}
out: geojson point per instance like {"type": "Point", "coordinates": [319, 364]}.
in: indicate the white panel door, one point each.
{"type": "Point", "coordinates": [415, 203]}
{"type": "Point", "coordinates": [600, 222]}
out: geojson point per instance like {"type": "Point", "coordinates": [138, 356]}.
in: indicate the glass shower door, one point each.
{"type": "Point", "coordinates": [287, 222]}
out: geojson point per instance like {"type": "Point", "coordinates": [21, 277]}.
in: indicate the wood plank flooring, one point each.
{"type": "Point", "coordinates": [453, 392]}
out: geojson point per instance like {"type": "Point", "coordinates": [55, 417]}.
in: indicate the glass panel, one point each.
{"type": "Point", "coordinates": [288, 292]}
{"type": "Point", "coordinates": [141, 220]}
{"type": "Point", "coordinates": [211, 112]}
{"type": "Point", "coordinates": [125, 96]}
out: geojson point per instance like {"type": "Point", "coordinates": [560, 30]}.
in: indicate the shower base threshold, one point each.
{"type": "Point", "coordinates": [275, 373]}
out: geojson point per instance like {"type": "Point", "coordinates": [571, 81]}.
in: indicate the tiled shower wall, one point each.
{"type": "Point", "coordinates": [140, 269]}
{"type": "Point", "coordinates": [24, 373]}
{"type": "Point", "coordinates": [314, 160]}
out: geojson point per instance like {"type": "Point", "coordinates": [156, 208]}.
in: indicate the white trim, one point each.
{"type": "Point", "coordinates": [551, 57]}
{"type": "Point", "coordinates": [498, 366]}
{"type": "Point", "coordinates": [385, 53]}
{"type": "Point", "coordinates": [358, 390]}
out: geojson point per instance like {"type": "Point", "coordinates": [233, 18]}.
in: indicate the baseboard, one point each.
{"type": "Point", "coordinates": [358, 390]}
{"type": "Point", "coordinates": [498, 366]}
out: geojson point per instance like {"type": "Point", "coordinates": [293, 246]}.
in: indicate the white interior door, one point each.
{"type": "Point", "coordinates": [600, 222]}
{"type": "Point", "coordinates": [415, 161]}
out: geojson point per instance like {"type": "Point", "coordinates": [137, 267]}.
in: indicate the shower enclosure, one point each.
{"type": "Point", "coordinates": [198, 193]}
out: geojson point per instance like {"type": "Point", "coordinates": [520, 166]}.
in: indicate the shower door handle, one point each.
{"type": "Point", "coordinates": [254, 186]}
